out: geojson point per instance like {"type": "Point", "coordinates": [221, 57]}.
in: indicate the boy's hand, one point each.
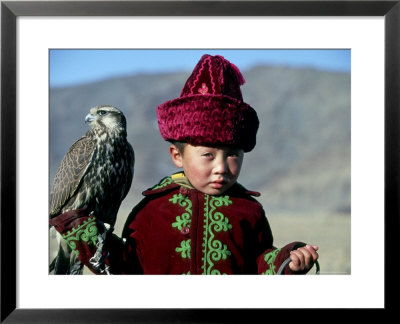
{"type": "Point", "coordinates": [303, 258]}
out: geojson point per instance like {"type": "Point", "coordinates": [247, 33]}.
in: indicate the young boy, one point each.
{"type": "Point", "coordinates": [201, 220]}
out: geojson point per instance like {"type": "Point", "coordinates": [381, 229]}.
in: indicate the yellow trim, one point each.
{"type": "Point", "coordinates": [178, 175]}
{"type": "Point", "coordinates": [180, 179]}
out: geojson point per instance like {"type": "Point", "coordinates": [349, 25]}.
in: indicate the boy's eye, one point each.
{"type": "Point", "coordinates": [234, 154]}
{"type": "Point", "coordinates": [207, 155]}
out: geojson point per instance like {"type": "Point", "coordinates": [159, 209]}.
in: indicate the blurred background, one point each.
{"type": "Point", "coordinates": [301, 164]}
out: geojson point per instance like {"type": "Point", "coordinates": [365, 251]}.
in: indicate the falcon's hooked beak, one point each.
{"type": "Point", "coordinates": [89, 118]}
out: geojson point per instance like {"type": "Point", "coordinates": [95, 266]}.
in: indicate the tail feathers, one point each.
{"type": "Point", "coordinates": [66, 262]}
{"type": "Point", "coordinates": [52, 265]}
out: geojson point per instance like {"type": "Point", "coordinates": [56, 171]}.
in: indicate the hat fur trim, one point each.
{"type": "Point", "coordinates": [211, 120]}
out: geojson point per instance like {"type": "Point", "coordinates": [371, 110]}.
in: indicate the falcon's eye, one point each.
{"type": "Point", "coordinates": [101, 112]}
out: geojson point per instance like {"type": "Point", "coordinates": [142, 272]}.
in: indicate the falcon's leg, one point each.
{"type": "Point", "coordinates": [76, 266]}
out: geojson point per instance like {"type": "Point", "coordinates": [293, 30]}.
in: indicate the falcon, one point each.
{"type": "Point", "coordinates": [96, 173]}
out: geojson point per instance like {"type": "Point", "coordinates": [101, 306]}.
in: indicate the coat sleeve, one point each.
{"type": "Point", "coordinates": [270, 258]}
{"type": "Point", "coordinates": [96, 248]}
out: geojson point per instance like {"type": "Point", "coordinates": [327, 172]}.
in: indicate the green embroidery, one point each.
{"type": "Point", "coordinates": [185, 218]}
{"type": "Point", "coordinates": [184, 249]}
{"type": "Point", "coordinates": [270, 259]}
{"type": "Point", "coordinates": [182, 221]}
{"type": "Point", "coordinates": [214, 250]}
{"type": "Point", "coordinates": [87, 232]}
{"type": "Point", "coordinates": [163, 183]}
{"type": "Point", "coordinates": [214, 222]}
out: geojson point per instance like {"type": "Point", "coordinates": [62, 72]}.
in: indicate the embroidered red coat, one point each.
{"type": "Point", "coordinates": [179, 230]}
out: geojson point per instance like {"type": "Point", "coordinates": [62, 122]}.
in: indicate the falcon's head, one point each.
{"type": "Point", "coordinates": [106, 117]}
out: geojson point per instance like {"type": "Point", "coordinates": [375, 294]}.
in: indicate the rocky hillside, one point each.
{"type": "Point", "coordinates": [302, 159]}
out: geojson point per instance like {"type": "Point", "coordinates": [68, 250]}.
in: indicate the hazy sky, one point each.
{"type": "Point", "coordinates": [77, 66]}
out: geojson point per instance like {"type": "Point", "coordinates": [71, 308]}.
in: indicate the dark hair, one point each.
{"type": "Point", "coordinates": [179, 145]}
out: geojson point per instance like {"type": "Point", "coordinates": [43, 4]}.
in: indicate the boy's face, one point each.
{"type": "Point", "coordinates": [210, 170]}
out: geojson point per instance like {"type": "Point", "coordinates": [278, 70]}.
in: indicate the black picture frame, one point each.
{"type": "Point", "coordinates": [10, 10]}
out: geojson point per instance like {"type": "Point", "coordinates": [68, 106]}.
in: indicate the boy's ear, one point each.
{"type": "Point", "coordinates": [176, 156]}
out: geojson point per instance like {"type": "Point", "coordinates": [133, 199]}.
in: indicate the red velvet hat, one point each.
{"type": "Point", "coordinates": [210, 109]}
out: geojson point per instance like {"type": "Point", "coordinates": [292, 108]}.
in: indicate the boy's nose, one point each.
{"type": "Point", "coordinates": [221, 166]}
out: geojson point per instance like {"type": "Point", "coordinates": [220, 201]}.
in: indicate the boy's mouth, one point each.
{"type": "Point", "coordinates": [218, 184]}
